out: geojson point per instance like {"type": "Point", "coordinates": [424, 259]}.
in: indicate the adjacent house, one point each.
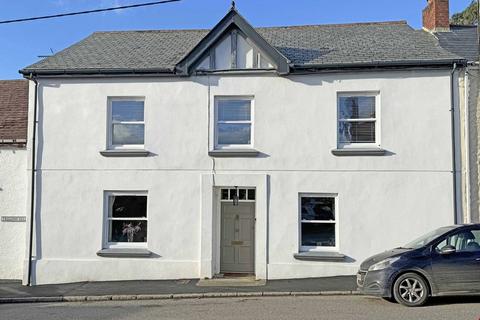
{"type": "Point", "coordinates": [13, 176]}
{"type": "Point", "coordinates": [463, 41]}
{"type": "Point", "coordinates": [282, 152]}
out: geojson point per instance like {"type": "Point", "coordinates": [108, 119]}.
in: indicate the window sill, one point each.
{"type": "Point", "coordinates": [234, 153]}
{"type": "Point", "coordinates": [125, 153]}
{"type": "Point", "coordinates": [124, 253]}
{"type": "Point", "coordinates": [320, 256]}
{"type": "Point", "coordinates": [359, 152]}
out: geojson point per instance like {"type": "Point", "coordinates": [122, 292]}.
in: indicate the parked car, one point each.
{"type": "Point", "coordinates": [443, 262]}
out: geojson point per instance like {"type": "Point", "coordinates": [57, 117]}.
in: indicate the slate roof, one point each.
{"type": "Point", "coordinates": [13, 111]}
{"type": "Point", "coordinates": [321, 45]}
{"type": "Point", "coordinates": [461, 40]}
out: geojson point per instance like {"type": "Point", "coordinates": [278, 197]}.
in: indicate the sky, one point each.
{"type": "Point", "coordinates": [23, 42]}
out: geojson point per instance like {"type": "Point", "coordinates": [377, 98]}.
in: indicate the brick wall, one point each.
{"type": "Point", "coordinates": [436, 16]}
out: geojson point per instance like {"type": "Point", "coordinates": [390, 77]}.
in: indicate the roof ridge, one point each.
{"type": "Point", "coordinates": [464, 25]}
{"type": "Point", "coordinates": [394, 22]}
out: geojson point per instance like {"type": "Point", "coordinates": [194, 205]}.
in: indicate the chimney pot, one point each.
{"type": "Point", "coordinates": [436, 16]}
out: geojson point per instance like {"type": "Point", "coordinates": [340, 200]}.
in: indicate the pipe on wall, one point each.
{"type": "Point", "coordinates": [32, 191]}
{"type": "Point", "coordinates": [454, 144]}
{"type": "Point", "coordinates": [467, 217]}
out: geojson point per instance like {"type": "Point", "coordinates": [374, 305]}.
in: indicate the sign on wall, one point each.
{"type": "Point", "coordinates": [14, 219]}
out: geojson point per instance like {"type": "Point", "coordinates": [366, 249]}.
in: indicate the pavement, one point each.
{"type": "Point", "coordinates": [266, 308]}
{"type": "Point", "coordinates": [14, 292]}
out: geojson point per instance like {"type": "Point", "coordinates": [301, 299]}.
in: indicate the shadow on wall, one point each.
{"type": "Point", "coordinates": [37, 237]}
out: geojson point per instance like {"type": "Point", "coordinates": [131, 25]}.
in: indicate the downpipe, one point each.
{"type": "Point", "coordinates": [32, 191]}
{"type": "Point", "coordinates": [454, 145]}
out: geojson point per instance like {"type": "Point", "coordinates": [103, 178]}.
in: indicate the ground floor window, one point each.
{"type": "Point", "coordinates": [126, 218]}
{"type": "Point", "coordinates": [318, 222]}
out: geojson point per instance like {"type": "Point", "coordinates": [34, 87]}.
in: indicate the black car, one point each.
{"type": "Point", "coordinates": [443, 262]}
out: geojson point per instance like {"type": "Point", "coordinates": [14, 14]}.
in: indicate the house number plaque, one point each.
{"type": "Point", "coordinates": [14, 219]}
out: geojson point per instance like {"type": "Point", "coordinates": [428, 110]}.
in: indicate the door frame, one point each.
{"type": "Point", "coordinates": [209, 263]}
{"type": "Point", "coordinates": [219, 232]}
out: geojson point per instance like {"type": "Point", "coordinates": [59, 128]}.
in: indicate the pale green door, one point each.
{"type": "Point", "coordinates": [237, 238]}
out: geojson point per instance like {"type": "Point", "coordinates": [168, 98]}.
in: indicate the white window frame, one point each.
{"type": "Point", "coordinates": [302, 248]}
{"type": "Point", "coordinates": [375, 144]}
{"type": "Point", "coordinates": [107, 218]}
{"type": "Point", "coordinates": [218, 146]}
{"type": "Point", "coordinates": [110, 124]}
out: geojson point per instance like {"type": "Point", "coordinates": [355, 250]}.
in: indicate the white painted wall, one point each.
{"type": "Point", "coordinates": [13, 190]}
{"type": "Point", "coordinates": [383, 201]}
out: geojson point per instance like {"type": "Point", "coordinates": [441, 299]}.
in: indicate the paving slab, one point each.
{"type": "Point", "coordinates": [14, 291]}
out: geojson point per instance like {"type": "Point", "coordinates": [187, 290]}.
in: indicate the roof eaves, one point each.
{"type": "Point", "coordinates": [104, 71]}
{"type": "Point", "coordinates": [382, 64]}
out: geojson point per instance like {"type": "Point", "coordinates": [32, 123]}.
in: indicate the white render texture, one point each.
{"type": "Point", "coordinates": [383, 201]}
{"type": "Point", "coordinates": [13, 190]}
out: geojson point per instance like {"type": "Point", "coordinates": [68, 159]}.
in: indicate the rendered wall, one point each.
{"type": "Point", "coordinates": [13, 190]}
{"type": "Point", "coordinates": [383, 201]}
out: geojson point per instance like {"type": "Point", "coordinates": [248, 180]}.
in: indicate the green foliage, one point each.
{"type": "Point", "coordinates": [469, 16]}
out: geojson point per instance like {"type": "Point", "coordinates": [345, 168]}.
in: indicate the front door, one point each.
{"type": "Point", "coordinates": [237, 238]}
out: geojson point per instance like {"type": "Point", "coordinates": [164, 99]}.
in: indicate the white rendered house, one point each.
{"type": "Point", "coordinates": [287, 152]}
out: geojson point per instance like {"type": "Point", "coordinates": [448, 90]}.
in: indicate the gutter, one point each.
{"type": "Point", "coordinates": [295, 69]}
{"type": "Point", "coordinates": [32, 192]}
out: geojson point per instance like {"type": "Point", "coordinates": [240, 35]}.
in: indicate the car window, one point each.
{"type": "Point", "coordinates": [463, 241]}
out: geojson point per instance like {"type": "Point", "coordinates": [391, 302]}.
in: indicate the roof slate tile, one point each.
{"type": "Point", "coordinates": [383, 42]}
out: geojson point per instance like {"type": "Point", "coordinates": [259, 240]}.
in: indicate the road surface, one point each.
{"type": "Point", "coordinates": [275, 308]}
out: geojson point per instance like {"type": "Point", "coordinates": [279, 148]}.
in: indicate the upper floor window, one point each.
{"type": "Point", "coordinates": [358, 124]}
{"type": "Point", "coordinates": [126, 123]}
{"type": "Point", "coordinates": [233, 122]}
{"type": "Point", "coordinates": [235, 52]}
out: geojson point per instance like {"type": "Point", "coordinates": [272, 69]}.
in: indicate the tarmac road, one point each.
{"type": "Point", "coordinates": [275, 308]}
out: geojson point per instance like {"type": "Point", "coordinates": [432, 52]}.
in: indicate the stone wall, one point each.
{"type": "Point", "coordinates": [474, 138]}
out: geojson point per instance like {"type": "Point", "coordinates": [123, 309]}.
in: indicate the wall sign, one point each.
{"type": "Point", "coordinates": [14, 219]}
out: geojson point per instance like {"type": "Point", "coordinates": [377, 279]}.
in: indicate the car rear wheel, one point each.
{"type": "Point", "coordinates": [411, 290]}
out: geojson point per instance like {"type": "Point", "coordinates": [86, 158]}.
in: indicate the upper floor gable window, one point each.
{"type": "Point", "coordinates": [126, 123]}
{"type": "Point", "coordinates": [358, 124]}
{"type": "Point", "coordinates": [233, 122]}
{"type": "Point", "coordinates": [235, 51]}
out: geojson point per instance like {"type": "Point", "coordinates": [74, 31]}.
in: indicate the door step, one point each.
{"type": "Point", "coordinates": [242, 281]}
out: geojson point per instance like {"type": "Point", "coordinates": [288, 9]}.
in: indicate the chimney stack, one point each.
{"type": "Point", "coordinates": [436, 16]}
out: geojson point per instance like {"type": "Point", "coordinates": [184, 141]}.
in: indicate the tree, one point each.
{"type": "Point", "coordinates": [469, 16]}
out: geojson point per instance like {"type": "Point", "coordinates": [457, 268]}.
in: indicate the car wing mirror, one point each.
{"type": "Point", "coordinates": [448, 250]}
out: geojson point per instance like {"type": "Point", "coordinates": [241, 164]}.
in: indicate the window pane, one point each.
{"type": "Point", "coordinates": [251, 194]}
{"type": "Point", "coordinates": [234, 133]}
{"type": "Point", "coordinates": [234, 110]}
{"type": "Point", "coordinates": [128, 206]}
{"type": "Point", "coordinates": [318, 208]}
{"type": "Point", "coordinates": [127, 111]}
{"type": "Point", "coordinates": [128, 134]}
{"type": "Point", "coordinates": [357, 107]}
{"type": "Point", "coordinates": [224, 194]}
{"type": "Point", "coordinates": [356, 132]}
{"type": "Point", "coordinates": [242, 194]}
{"type": "Point", "coordinates": [233, 194]}
{"type": "Point", "coordinates": [318, 235]}
{"type": "Point", "coordinates": [468, 240]}
{"type": "Point", "coordinates": [128, 231]}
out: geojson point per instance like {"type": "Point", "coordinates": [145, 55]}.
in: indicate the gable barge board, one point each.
{"type": "Point", "coordinates": [230, 21]}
